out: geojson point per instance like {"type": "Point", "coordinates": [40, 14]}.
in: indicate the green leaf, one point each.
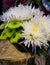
{"type": "Point", "coordinates": [10, 32]}
{"type": "Point", "coordinates": [16, 37]}
{"type": "Point", "coordinates": [3, 35]}
{"type": "Point", "coordinates": [14, 24]}
{"type": "Point", "coordinates": [44, 52]}
{"type": "Point", "coordinates": [2, 26]}
{"type": "Point", "coordinates": [7, 33]}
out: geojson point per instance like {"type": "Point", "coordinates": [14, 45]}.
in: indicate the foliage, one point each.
{"type": "Point", "coordinates": [8, 30]}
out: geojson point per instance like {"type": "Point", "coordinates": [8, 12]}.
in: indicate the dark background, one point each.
{"type": "Point", "coordinates": [0, 7]}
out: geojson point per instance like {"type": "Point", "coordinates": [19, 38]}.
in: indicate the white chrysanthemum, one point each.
{"type": "Point", "coordinates": [19, 12]}
{"type": "Point", "coordinates": [34, 33]}
{"type": "Point", "coordinates": [45, 23]}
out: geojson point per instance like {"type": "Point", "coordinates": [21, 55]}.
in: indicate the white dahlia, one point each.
{"type": "Point", "coordinates": [34, 33]}
{"type": "Point", "coordinates": [19, 12]}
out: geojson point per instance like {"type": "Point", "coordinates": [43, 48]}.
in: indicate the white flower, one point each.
{"type": "Point", "coordinates": [19, 12]}
{"type": "Point", "coordinates": [34, 33]}
{"type": "Point", "coordinates": [45, 23]}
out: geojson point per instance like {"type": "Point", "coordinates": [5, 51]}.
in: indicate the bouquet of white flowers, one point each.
{"type": "Point", "coordinates": [26, 23]}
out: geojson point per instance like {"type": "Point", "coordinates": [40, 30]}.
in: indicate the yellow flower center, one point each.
{"type": "Point", "coordinates": [35, 28]}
